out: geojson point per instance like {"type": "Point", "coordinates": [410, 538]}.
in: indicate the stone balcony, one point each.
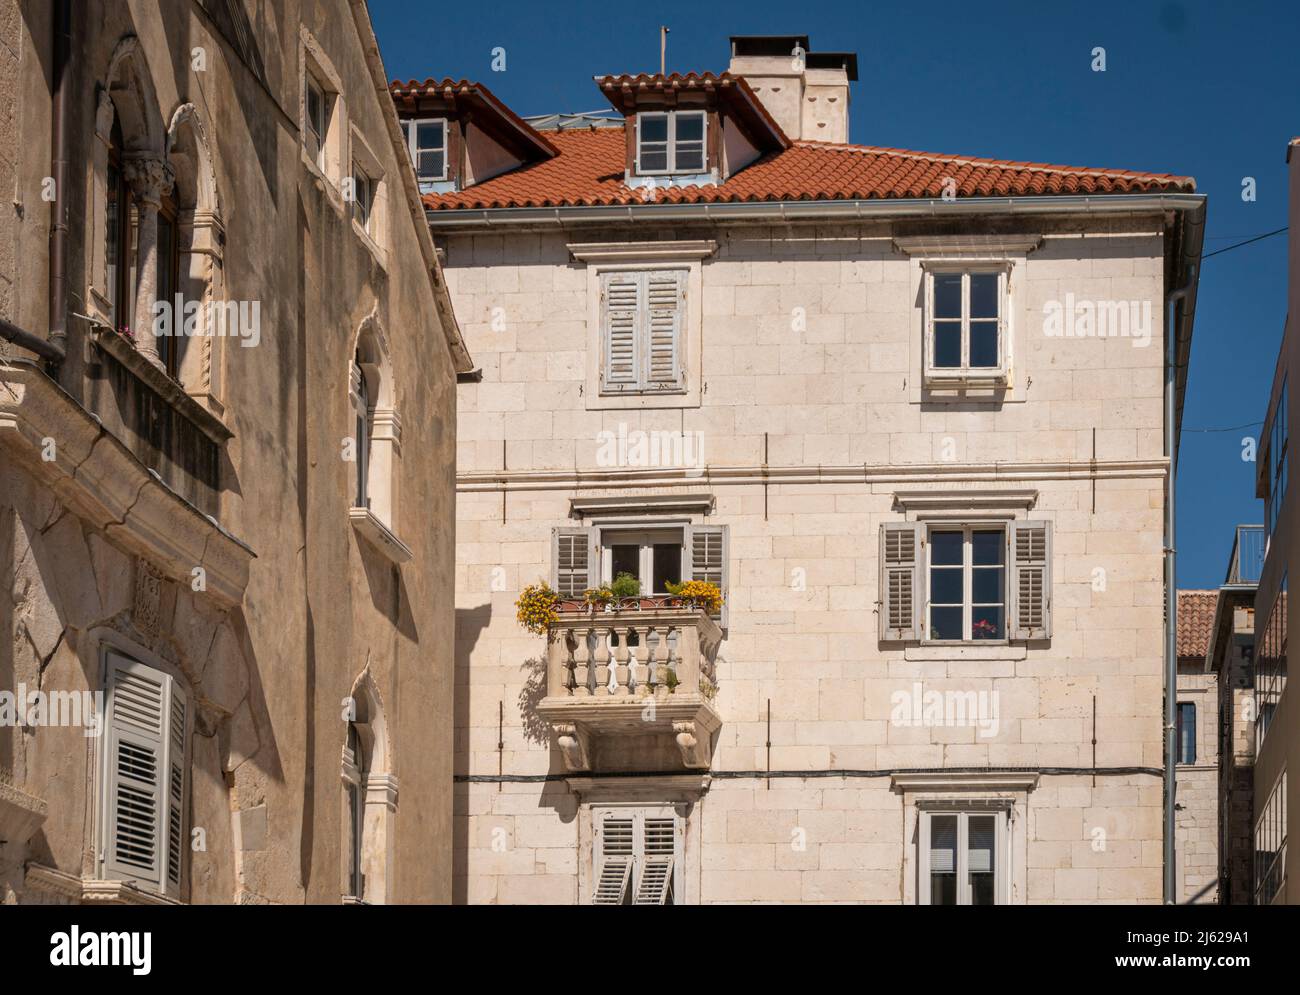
{"type": "Point", "coordinates": [625, 686]}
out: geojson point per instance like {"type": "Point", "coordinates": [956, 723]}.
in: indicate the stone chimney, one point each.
{"type": "Point", "coordinates": [807, 93]}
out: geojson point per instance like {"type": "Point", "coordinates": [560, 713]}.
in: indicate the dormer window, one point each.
{"type": "Point", "coordinates": [426, 141]}
{"type": "Point", "coordinates": [670, 142]}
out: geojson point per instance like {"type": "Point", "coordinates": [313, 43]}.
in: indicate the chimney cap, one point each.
{"type": "Point", "coordinates": [848, 61]}
{"type": "Point", "coordinates": [767, 44]}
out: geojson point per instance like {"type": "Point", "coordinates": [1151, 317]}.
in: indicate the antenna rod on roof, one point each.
{"type": "Point", "coordinates": [663, 49]}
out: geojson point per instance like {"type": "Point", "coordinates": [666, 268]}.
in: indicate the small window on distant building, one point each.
{"type": "Point", "coordinates": [426, 141]}
{"type": "Point", "coordinates": [1186, 732]}
{"type": "Point", "coordinates": [670, 142]}
{"type": "Point", "coordinates": [363, 198]}
{"type": "Point", "coordinates": [317, 116]}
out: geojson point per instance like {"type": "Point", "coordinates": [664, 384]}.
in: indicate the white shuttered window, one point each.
{"type": "Point", "coordinates": [642, 330]}
{"type": "Point", "coordinates": [145, 781]}
{"type": "Point", "coordinates": [637, 856]}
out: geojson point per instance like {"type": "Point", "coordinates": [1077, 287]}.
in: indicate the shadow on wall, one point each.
{"type": "Point", "coordinates": [470, 623]}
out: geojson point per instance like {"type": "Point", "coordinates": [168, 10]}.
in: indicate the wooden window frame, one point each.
{"type": "Point", "coordinates": [1001, 850]}
{"type": "Point", "coordinates": [965, 373]}
{"type": "Point", "coordinates": [967, 566]}
{"type": "Point", "coordinates": [670, 143]}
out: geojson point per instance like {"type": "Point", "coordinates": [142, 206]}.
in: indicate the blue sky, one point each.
{"type": "Point", "coordinates": [1202, 89]}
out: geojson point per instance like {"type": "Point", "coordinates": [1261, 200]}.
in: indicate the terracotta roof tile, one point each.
{"type": "Point", "coordinates": [588, 171]}
{"type": "Point", "coordinates": [1195, 620]}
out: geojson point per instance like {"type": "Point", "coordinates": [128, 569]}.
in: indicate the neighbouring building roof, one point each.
{"type": "Point", "coordinates": [473, 99]}
{"type": "Point", "coordinates": [1196, 610]}
{"type": "Point", "coordinates": [589, 165]}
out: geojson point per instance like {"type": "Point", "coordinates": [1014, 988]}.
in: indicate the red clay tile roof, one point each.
{"type": "Point", "coordinates": [1195, 621]}
{"type": "Point", "coordinates": [448, 87]}
{"type": "Point", "coordinates": [589, 171]}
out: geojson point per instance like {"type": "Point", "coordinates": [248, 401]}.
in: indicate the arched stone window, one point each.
{"type": "Point", "coordinates": [377, 426]}
{"type": "Point", "coordinates": [369, 799]}
{"type": "Point", "coordinates": [157, 226]}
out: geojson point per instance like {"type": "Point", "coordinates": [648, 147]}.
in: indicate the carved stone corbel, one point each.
{"type": "Point", "coordinates": [574, 745]}
{"type": "Point", "coordinates": [695, 753]}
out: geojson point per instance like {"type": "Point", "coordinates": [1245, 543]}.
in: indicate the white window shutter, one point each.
{"type": "Point", "coordinates": [575, 565]}
{"type": "Point", "coordinates": [615, 852]}
{"type": "Point", "coordinates": [621, 297]}
{"type": "Point", "coordinates": [177, 787]}
{"type": "Point", "coordinates": [134, 775]}
{"type": "Point", "coordinates": [1031, 580]}
{"type": "Point", "coordinates": [658, 852]}
{"type": "Point", "coordinates": [707, 556]}
{"type": "Point", "coordinates": [900, 600]}
{"type": "Point", "coordinates": [665, 293]}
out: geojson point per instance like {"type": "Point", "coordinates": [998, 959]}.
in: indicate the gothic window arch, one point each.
{"type": "Point", "coordinates": [369, 804]}
{"type": "Point", "coordinates": [375, 424]}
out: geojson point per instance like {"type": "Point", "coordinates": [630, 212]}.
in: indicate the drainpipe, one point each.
{"type": "Point", "coordinates": [58, 304]}
{"type": "Point", "coordinates": [1172, 301]}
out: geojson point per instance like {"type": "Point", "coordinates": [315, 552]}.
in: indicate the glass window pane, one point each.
{"type": "Point", "coordinates": [945, 623]}
{"type": "Point", "coordinates": [946, 586]}
{"type": "Point", "coordinates": [947, 295]}
{"type": "Point", "coordinates": [690, 127]}
{"type": "Point", "coordinates": [653, 129]}
{"type": "Point", "coordinates": [690, 159]}
{"type": "Point", "coordinates": [945, 547]}
{"type": "Point", "coordinates": [626, 559]}
{"type": "Point", "coordinates": [429, 165]}
{"type": "Point", "coordinates": [667, 566]}
{"type": "Point", "coordinates": [987, 622]}
{"type": "Point", "coordinates": [947, 345]}
{"type": "Point", "coordinates": [984, 295]}
{"type": "Point", "coordinates": [987, 585]}
{"type": "Point", "coordinates": [943, 860]}
{"type": "Point", "coordinates": [983, 344]}
{"type": "Point", "coordinates": [981, 832]}
{"type": "Point", "coordinates": [653, 160]}
{"type": "Point", "coordinates": [987, 547]}
{"type": "Point", "coordinates": [428, 135]}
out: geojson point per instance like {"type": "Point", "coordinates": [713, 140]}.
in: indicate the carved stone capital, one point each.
{"type": "Point", "coordinates": [151, 176]}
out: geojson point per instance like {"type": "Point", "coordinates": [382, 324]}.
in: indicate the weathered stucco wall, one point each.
{"type": "Point", "coordinates": [322, 605]}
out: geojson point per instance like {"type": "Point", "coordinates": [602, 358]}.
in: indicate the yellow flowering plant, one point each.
{"type": "Point", "coordinates": [536, 608]}
{"type": "Point", "coordinates": [700, 593]}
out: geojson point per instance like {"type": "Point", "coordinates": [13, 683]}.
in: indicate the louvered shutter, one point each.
{"type": "Point", "coordinates": [615, 852]}
{"type": "Point", "coordinates": [659, 850]}
{"type": "Point", "coordinates": [1031, 580]}
{"type": "Point", "coordinates": [621, 295]}
{"type": "Point", "coordinates": [177, 776]}
{"type": "Point", "coordinates": [134, 775]}
{"type": "Point", "coordinates": [575, 565]}
{"type": "Point", "coordinates": [665, 291]}
{"type": "Point", "coordinates": [707, 556]}
{"type": "Point", "coordinates": [900, 602]}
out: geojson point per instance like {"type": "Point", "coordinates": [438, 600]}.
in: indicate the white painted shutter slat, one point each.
{"type": "Point", "coordinates": [574, 560]}
{"type": "Point", "coordinates": [615, 851]}
{"type": "Point", "coordinates": [900, 558]}
{"type": "Point", "coordinates": [134, 782]}
{"type": "Point", "coordinates": [665, 290]}
{"type": "Point", "coordinates": [656, 876]}
{"type": "Point", "coordinates": [1031, 580]}
{"type": "Point", "coordinates": [707, 555]}
{"type": "Point", "coordinates": [621, 300]}
{"type": "Point", "coordinates": [177, 772]}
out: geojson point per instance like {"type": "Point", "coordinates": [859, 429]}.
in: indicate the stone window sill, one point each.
{"type": "Point", "coordinates": [941, 652]}
{"type": "Point", "coordinates": [379, 535]}
{"type": "Point", "coordinates": [162, 385]}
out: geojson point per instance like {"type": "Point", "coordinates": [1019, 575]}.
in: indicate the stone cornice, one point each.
{"type": "Point", "coordinates": [980, 780]}
{"type": "Point", "coordinates": [966, 246]}
{"type": "Point", "coordinates": [96, 476]}
{"type": "Point", "coordinates": [939, 473]}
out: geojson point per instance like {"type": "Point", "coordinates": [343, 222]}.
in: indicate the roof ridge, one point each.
{"type": "Point", "coordinates": [1036, 167]}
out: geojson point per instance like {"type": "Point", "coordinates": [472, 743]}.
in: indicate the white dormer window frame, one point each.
{"type": "Point", "coordinates": [411, 129]}
{"type": "Point", "coordinates": [671, 145]}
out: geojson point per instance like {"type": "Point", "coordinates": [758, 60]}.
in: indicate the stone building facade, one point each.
{"type": "Point", "coordinates": [850, 385]}
{"type": "Point", "coordinates": [1197, 772]}
{"type": "Point", "coordinates": [226, 558]}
